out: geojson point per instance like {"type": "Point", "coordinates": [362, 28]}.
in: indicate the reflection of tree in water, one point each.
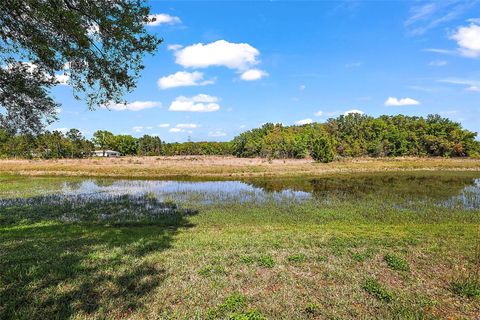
{"type": "Point", "coordinates": [399, 185]}
{"type": "Point", "coordinates": [77, 184]}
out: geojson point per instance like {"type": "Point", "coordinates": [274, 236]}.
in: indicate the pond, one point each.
{"type": "Point", "coordinates": [451, 189]}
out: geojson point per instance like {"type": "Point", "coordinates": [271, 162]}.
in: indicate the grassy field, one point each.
{"type": "Point", "coordinates": [224, 167]}
{"type": "Point", "coordinates": [386, 247]}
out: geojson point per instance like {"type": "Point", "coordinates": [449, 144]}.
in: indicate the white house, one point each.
{"type": "Point", "coordinates": [106, 153]}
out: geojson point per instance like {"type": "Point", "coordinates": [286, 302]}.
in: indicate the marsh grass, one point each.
{"type": "Point", "coordinates": [141, 256]}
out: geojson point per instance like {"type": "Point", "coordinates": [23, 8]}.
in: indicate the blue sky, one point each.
{"type": "Point", "coordinates": [226, 67]}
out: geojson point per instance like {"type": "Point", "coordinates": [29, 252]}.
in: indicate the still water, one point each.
{"type": "Point", "coordinates": [450, 189]}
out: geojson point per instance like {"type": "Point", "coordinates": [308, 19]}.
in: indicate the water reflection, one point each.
{"type": "Point", "coordinates": [178, 191]}
{"type": "Point", "coordinates": [400, 189]}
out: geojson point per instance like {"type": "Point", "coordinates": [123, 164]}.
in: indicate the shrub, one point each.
{"type": "Point", "coordinates": [321, 150]}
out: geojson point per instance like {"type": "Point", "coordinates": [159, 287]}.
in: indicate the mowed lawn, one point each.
{"type": "Point", "coordinates": [335, 259]}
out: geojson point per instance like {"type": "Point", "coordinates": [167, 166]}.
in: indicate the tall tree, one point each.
{"type": "Point", "coordinates": [96, 46]}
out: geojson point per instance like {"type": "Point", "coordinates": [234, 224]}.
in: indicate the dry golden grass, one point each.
{"type": "Point", "coordinates": [224, 167]}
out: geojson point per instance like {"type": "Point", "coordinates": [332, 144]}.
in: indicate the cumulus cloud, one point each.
{"type": "Point", "coordinates": [133, 106]}
{"type": "Point", "coordinates": [163, 18]}
{"type": "Point", "coordinates": [174, 130]}
{"type": "Point", "coordinates": [303, 121]}
{"type": "Point", "coordinates": [164, 125]}
{"type": "Point", "coordinates": [319, 113]}
{"type": "Point", "coordinates": [392, 101]}
{"type": "Point", "coordinates": [137, 129]}
{"type": "Point", "coordinates": [468, 40]}
{"type": "Point", "coordinates": [346, 113]}
{"type": "Point", "coordinates": [237, 56]}
{"type": "Point", "coordinates": [198, 103]}
{"type": "Point", "coordinates": [183, 79]}
{"type": "Point", "coordinates": [253, 74]}
{"type": "Point", "coordinates": [217, 133]}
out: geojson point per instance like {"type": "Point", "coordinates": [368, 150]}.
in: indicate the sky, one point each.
{"type": "Point", "coordinates": [230, 66]}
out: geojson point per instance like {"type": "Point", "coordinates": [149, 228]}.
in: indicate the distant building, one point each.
{"type": "Point", "coordinates": [106, 153]}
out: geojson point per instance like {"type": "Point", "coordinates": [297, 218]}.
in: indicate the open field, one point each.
{"type": "Point", "coordinates": [224, 167]}
{"type": "Point", "coordinates": [397, 245]}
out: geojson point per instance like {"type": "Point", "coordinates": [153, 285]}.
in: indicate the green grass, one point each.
{"type": "Point", "coordinates": [342, 255]}
{"type": "Point", "coordinates": [395, 262]}
{"type": "Point", "coordinates": [376, 289]}
{"type": "Point", "coordinates": [469, 288]}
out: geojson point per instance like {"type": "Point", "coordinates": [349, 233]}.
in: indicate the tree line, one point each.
{"type": "Point", "coordinates": [353, 135]}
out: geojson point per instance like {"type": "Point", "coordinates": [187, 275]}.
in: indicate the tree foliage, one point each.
{"type": "Point", "coordinates": [96, 46]}
{"type": "Point", "coordinates": [358, 135]}
{"type": "Point", "coordinates": [346, 136]}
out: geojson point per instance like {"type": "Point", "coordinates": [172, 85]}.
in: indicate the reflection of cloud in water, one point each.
{"type": "Point", "coordinates": [207, 191]}
{"type": "Point", "coordinates": [469, 197]}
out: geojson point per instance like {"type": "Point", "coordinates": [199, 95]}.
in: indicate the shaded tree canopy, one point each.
{"type": "Point", "coordinates": [96, 46]}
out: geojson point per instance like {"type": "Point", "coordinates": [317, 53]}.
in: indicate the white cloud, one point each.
{"type": "Point", "coordinates": [319, 113]}
{"type": "Point", "coordinates": [441, 51]}
{"type": "Point", "coordinates": [392, 101]}
{"type": "Point", "coordinates": [471, 85]}
{"type": "Point", "coordinates": [174, 47]}
{"type": "Point", "coordinates": [183, 79]}
{"type": "Point", "coordinates": [429, 15]}
{"type": "Point", "coordinates": [468, 40]}
{"type": "Point", "coordinates": [198, 103]}
{"type": "Point", "coordinates": [187, 125]}
{"type": "Point", "coordinates": [253, 74]}
{"type": "Point", "coordinates": [182, 126]}
{"type": "Point", "coordinates": [303, 121]}
{"type": "Point", "coordinates": [237, 56]}
{"type": "Point", "coordinates": [346, 113]}
{"type": "Point", "coordinates": [438, 63]}
{"type": "Point", "coordinates": [164, 125]}
{"type": "Point", "coordinates": [163, 18]}
{"type": "Point", "coordinates": [137, 129]}
{"type": "Point", "coordinates": [62, 79]}
{"type": "Point", "coordinates": [217, 133]}
{"type": "Point", "coordinates": [133, 106]}
{"type": "Point", "coordinates": [474, 88]}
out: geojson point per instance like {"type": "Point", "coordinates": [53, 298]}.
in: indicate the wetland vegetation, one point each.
{"type": "Point", "coordinates": [364, 245]}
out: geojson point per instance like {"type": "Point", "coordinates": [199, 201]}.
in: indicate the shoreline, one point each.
{"type": "Point", "coordinates": [223, 168]}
